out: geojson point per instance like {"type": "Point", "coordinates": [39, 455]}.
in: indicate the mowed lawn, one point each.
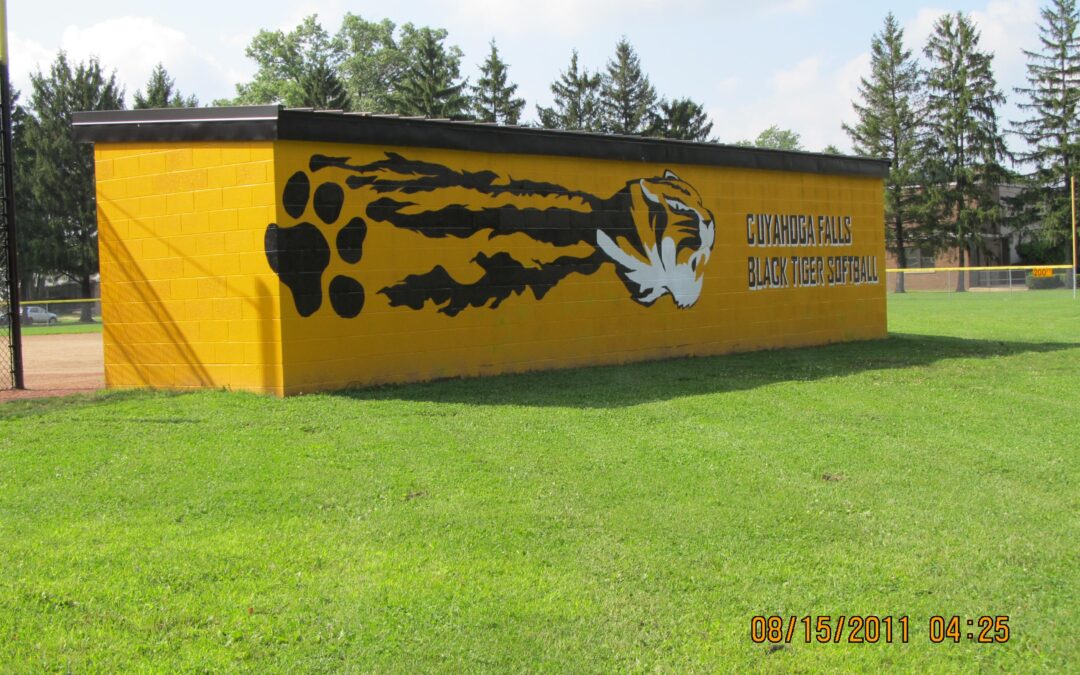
{"type": "Point", "coordinates": [609, 519]}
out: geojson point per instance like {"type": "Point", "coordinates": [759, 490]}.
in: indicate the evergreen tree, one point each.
{"type": "Point", "coordinates": [682, 119]}
{"type": "Point", "coordinates": [298, 69]}
{"type": "Point", "coordinates": [627, 99]}
{"type": "Point", "coordinates": [161, 93]}
{"type": "Point", "coordinates": [493, 97]}
{"type": "Point", "coordinates": [34, 241]}
{"type": "Point", "coordinates": [320, 87]}
{"type": "Point", "coordinates": [58, 173]}
{"type": "Point", "coordinates": [576, 100]}
{"type": "Point", "coordinates": [430, 84]}
{"type": "Point", "coordinates": [889, 128]}
{"type": "Point", "coordinates": [1052, 98]}
{"type": "Point", "coordinates": [831, 149]}
{"type": "Point", "coordinates": [964, 145]}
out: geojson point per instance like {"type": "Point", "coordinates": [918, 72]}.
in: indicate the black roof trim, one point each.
{"type": "Point", "coordinates": [266, 123]}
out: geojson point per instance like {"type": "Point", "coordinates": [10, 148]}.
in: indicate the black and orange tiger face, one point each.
{"type": "Point", "coordinates": [674, 236]}
{"type": "Point", "coordinates": [657, 232]}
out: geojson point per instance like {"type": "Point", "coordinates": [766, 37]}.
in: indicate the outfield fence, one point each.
{"type": "Point", "coordinates": [996, 279]}
{"type": "Point", "coordinates": [65, 310]}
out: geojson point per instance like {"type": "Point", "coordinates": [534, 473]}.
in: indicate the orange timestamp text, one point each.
{"type": "Point", "coordinates": [829, 629]}
{"type": "Point", "coordinates": [872, 629]}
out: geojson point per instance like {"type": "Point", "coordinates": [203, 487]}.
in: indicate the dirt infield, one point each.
{"type": "Point", "coordinates": [57, 365]}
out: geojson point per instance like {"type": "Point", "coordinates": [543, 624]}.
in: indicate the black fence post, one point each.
{"type": "Point", "coordinates": [8, 208]}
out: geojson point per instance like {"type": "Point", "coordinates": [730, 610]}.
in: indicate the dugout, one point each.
{"type": "Point", "coordinates": [290, 251]}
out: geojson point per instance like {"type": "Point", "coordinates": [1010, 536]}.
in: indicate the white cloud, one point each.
{"type": "Point", "coordinates": [791, 6]}
{"type": "Point", "coordinates": [813, 97]}
{"type": "Point", "coordinates": [27, 57]}
{"type": "Point", "coordinates": [804, 98]}
{"type": "Point", "coordinates": [1007, 28]}
{"type": "Point", "coordinates": [572, 18]}
{"type": "Point", "coordinates": [803, 75]}
{"type": "Point", "coordinates": [564, 18]}
{"type": "Point", "coordinates": [133, 46]}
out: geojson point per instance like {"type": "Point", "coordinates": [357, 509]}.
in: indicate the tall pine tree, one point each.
{"type": "Point", "coordinates": [430, 85]}
{"type": "Point", "coordinates": [320, 87]}
{"type": "Point", "coordinates": [1051, 132]}
{"type": "Point", "coordinates": [888, 128]}
{"type": "Point", "coordinates": [161, 92]}
{"type": "Point", "coordinates": [58, 173]}
{"type": "Point", "coordinates": [682, 119]}
{"type": "Point", "coordinates": [627, 99]}
{"type": "Point", "coordinates": [965, 147]}
{"type": "Point", "coordinates": [493, 96]}
{"type": "Point", "coordinates": [577, 104]}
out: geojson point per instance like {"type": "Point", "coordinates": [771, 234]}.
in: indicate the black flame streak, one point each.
{"type": "Point", "coordinates": [503, 276]}
{"type": "Point", "coordinates": [397, 177]}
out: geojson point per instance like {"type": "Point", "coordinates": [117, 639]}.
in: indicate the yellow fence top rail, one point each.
{"type": "Point", "coordinates": [58, 302]}
{"type": "Point", "coordinates": [931, 270]}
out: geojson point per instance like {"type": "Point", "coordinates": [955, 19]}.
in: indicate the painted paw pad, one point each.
{"type": "Point", "coordinates": [299, 254]}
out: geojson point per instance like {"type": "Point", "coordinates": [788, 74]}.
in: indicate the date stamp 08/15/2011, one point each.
{"type": "Point", "coordinates": [871, 629]}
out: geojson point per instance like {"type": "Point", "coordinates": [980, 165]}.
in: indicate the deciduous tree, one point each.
{"type": "Point", "coordinates": [374, 57]}
{"type": "Point", "coordinates": [775, 138]}
{"type": "Point", "coordinates": [298, 69]}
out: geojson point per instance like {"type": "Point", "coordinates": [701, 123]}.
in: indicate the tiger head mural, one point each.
{"type": "Point", "coordinates": [673, 238]}
{"type": "Point", "coordinates": [656, 232]}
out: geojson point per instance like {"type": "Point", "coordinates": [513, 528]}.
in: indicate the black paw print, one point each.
{"type": "Point", "coordinates": [300, 254]}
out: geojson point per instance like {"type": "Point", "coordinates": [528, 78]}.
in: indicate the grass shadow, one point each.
{"type": "Point", "coordinates": [31, 407]}
{"type": "Point", "coordinates": [634, 384]}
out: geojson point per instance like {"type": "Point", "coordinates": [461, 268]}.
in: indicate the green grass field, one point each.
{"type": "Point", "coordinates": [610, 519]}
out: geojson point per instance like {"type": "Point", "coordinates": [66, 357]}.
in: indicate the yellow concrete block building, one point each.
{"type": "Point", "coordinates": [289, 251]}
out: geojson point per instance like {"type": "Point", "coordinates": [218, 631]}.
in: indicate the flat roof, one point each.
{"type": "Point", "coordinates": [276, 123]}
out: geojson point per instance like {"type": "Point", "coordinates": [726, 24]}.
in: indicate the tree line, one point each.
{"type": "Point", "coordinates": [407, 70]}
{"type": "Point", "coordinates": [936, 120]}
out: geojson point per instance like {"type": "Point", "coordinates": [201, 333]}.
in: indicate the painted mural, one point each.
{"type": "Point", "coordinates": [655, 234]}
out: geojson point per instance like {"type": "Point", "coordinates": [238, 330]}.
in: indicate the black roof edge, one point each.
{"type": "Point", "coordinates": [271, 122]}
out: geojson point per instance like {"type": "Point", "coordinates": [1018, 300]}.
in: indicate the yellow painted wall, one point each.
{"type": "Point", "coordinates": [187, 297]}
{"type": "Point", "coordinates": [583, 320]}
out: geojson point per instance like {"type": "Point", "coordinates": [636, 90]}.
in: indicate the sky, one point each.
{"type": "Point", "coordinates": [793, 63]}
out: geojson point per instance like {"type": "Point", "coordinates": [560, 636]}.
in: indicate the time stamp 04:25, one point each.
{"type": "Point", "coordinates": [870, 629]}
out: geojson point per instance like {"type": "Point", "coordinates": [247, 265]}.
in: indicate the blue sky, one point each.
{"type": "Point", "coordinates": [795, 63]}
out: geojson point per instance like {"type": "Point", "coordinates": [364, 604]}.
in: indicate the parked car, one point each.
{"type": "Point", "coordinates": [32, 314]}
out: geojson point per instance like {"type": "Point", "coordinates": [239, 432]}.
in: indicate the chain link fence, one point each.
{"type": "Point", "coordinates": [988, 279]}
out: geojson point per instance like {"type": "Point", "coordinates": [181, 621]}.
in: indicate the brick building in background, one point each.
{"type": "Point", "coordinates": [997, 247]}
